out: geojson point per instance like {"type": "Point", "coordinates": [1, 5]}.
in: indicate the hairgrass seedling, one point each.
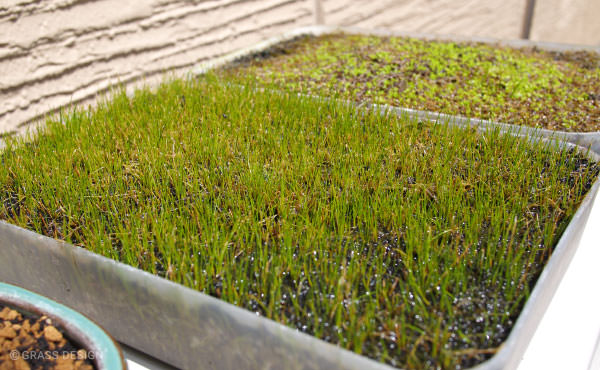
{"type": "Point", "coordinates": [412, 243]}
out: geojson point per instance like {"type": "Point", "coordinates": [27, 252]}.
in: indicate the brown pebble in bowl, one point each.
{"type": "Point", "coordinates": [29, 342]}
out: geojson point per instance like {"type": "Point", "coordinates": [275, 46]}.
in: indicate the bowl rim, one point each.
{"type": "Point", "coordinates": [106, 352]}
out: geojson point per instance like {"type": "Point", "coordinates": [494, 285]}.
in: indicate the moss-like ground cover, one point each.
{"type": "Point", "coordinates": [411, 243]}
{"type": "Point", "coordinates": [559, 91]}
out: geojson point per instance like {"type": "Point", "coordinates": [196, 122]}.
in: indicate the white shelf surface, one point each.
{"type": "Point", "coordinates": [569, 332]}
{"type": "Point", "coordinates": [140, 361]}
{"type": "Point", "coordinates": [132, 365]}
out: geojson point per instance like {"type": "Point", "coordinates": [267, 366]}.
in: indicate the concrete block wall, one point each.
{"type": "Point", "coordinates": [53, 52]}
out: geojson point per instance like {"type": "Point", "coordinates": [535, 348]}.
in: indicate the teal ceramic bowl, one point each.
{"type": "Point", "coordinates": [78, 328]}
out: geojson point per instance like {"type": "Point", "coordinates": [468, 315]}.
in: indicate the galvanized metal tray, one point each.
{"type": "Point", "coordinates": [583, 139]}
{"type": "Point", "coordinates": [188, 329]}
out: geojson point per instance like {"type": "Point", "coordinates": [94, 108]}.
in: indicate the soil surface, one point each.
{"type": "Point", "coordinates": [28, 342]}
{"type": "Point", "coordinates": [531, 87]}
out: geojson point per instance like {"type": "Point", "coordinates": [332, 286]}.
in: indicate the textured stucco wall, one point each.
{"type": "Point", "coordinates": [53, 52]}
{"type": "Point", "coordinates": [566, 21]}
{"type": "Point", "coordinates": [489, 18]}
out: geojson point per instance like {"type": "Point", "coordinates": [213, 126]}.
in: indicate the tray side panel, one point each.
{"type": "Point", "coordinates": [172, 323]}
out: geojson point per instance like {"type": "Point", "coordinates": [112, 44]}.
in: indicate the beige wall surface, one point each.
{"type": "Point", "coordinates": [567, 21]}
{"type": "Point", "coordinates": [487, 18]}
{"type": "Point", "coordinates": [53, 52]}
